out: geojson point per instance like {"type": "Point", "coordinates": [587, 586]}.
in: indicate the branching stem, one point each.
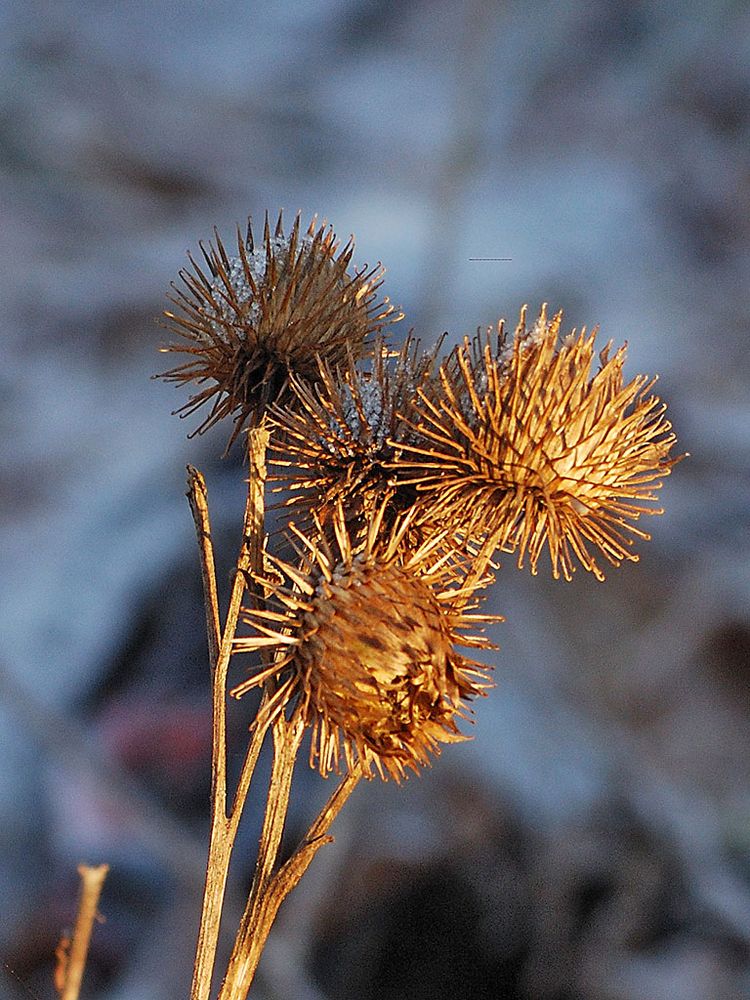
{"type": "Point", "coordinates": [223, 825]}
{"type": "Point", "coordinates": [269, 890]}
{"type": "Point", "coordinates": [287, 735]}
{"type": "Point", "coordinates": [269, 887]}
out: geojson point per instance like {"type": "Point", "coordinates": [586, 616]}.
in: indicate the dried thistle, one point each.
{"type": "Point", "coordinates": [407, 482]}
{"type": "Point", "coordinates": [523, 446]}
{"type": "Point", "coordinates": [365, 636]}
{"type": "Point", "coordinates": [338, 443]}
{"type": "Point", "coordinates": [267, 313]}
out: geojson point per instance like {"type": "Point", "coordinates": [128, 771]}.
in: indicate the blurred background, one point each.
{"type": "Point", "coordinates": [593, 841]}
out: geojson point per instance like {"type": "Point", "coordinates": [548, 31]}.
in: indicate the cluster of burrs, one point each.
{"type": "Point", "coordinates": [406, 475]}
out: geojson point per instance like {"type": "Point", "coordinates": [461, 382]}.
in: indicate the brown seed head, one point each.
{"type": "Point", "coordinates": [366, 637]}
{"type": "Point", "coordinates": [267, 313]}
{"type": "Point", "coordinates": [522, 444]}
{"type": "Point", "coordinates": [337, 443]}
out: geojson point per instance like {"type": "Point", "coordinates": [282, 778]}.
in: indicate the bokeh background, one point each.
{"type": "Point", "coordinates": [593, 841]}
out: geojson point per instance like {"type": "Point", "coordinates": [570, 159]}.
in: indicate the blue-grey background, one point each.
{"type": "Point", "coordinates": [592, 841]}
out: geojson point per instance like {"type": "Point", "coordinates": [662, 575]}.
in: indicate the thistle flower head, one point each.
{"type": "Point", "coordinates": [267, 313]}
{"type": "Point", "coordinates": [336, 444]}
{"type": "Point", "coordinates": [523, 445]}
{"type": "Point", "coordinates": [365, 635]}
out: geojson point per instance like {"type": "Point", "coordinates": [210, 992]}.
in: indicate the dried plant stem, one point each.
{"type": "Point", "coordinates": [287, 877]}
{"type": "Point", "coordinates": [287, 735]}
{"type": "Point", "coordinates": [197, 495]}
{"type": "Point", "coordinates": [92, 880]}
{"type": "Point", "coordinates": [223, 824]}
{"type": "Point", "coordinates": [269, 888]}
{"type": "Point", "coordinates": [268, 894]}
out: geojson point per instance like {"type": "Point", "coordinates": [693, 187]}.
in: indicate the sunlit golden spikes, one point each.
{"type": "Point", "coordinates": [249, 322]}
{"type": "Point", "coordinates": [336, 443]}
{"type": "Point", "coordinates": [364, 633]}
{"type": "Point", "coordinates": [521, 445]}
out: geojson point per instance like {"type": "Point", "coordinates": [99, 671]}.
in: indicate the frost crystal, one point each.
{"type": "Point", "coordinates": [366, 405]}
{"type": "Point", "coordinates": [525, 339]}
{"type": "Point", "coordinates": [257, 261]}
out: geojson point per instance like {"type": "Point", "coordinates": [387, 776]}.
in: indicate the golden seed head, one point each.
{"type": "Point", "coordinates": [377, 660]}
{"type": "Point", "coordinates": [257, 318]}
{"type": "Point", "coordinates": [336, 443]}
{"type": "Point", "coordinates": [527, 447]}
{"type": "Point", "coordinates": [366, 638]}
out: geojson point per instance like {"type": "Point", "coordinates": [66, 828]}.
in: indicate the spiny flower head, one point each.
{"type": "Point", "coordinates": [524, 446]}
{"type": "Point", "coordinates": [365, 635]}
{"type": "Point", "coordinates": [337, 442]}
{"type": "Point", "coordinates": [269, 312]}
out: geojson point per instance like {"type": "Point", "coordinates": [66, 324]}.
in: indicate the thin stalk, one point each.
{"type": "Point", "coordinates": [287, 736]}
{"type": "Point", "coordinates": [269, 888]}
{"type": "Point", "coordinates": [287, 877]}
{"type": "Point", "coordinates": [92, 880]}
{"type": "Point", "coordinates": [263, 907]}
{"type": "Point", "coordinates": [197, 495]}
{"type": "Point", "coordinates": [223, 825]}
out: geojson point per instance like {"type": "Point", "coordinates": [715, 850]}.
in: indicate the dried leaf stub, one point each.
{"type": "Point", "coordinates": [268, 313]}
{"type": "Point", "coordinates": [524, 445]}
{"type": "Point", "coordinates": [366, 637]}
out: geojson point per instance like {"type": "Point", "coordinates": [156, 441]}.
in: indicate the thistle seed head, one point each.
{"type": "Point", "coordinates": [253, 320]}
{"type": "Point", "coordinates": [365, 635]}
{"type": "Point", "coordinates": [337, 444]}
{"type": "Point", "coordinates": [522, 444]}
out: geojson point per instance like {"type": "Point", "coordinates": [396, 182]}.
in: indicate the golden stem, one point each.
{"type": "Point", "coordinates": [92, 880]}
{"type": "Point", "coordinates": [264, 902]}
{"type": "Point", "coordinates": [287, 877]}
{"type": "Point", "coordinates": [223, 826]}
{"type": "Point", "coordinates": [287, 736]}
{"type": "Point", "coordinates": [198, 498]}
{"type": "Point", "coordinates": [268, 889]}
